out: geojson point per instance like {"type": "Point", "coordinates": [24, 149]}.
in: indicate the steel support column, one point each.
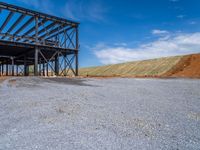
{"type": "Point", "coordinates": [25, 66]}
{"type": "Point", "coordinates": [47, 69]}
{"type": "Point", "coordinates": [40, 67]}
{"type": "Point", "coordinates": [43, 68]}
{"type": "Point", "coordinates": [7, 69]}
{"type": "Point", "coordinates": [36, 61]}
{"type": "Point", "coordinates": [27, 70]}
{"type": "Point", "coordinates": [76, 59]}
{"type": "Point", "coordinates": [13, 67]}
{"type": "Point", "coordinates": [56, 65]}
{"type": "Point", "coordinates": [17, 68]}
{"type": "Point", "coordinates": [65, 65]}
{"type": "Point", "coordinates": [76, 52]}
{"type": "Point", "coordinates": [51, 69]}
{"type": "Point", "coordinates": [36, 48]}
{"type": "Point", "coordinates": [0, 70]}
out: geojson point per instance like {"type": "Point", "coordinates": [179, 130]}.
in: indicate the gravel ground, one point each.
{"type": "Point", "coordinates": [51, 114]}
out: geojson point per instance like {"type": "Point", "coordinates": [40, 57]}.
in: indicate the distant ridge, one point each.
{"type": "Point", "coordinates": [176, 66]}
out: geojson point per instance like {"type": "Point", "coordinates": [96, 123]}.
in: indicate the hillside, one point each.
{"type": "Point", "coordinates": [177, 66]}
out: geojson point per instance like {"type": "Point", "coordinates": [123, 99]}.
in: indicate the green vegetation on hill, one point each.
{"type": "Point", "coordinates": [153, 67]}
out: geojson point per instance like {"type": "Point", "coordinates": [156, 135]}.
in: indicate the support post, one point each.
{"type": "Point", "coordinates": [76, 53]}
{"type": "Point", "coordinates": [43, 68]}
{"type": "Point", "coordinates": [47, 69]}
{"type": "Point", "coordinates": [26, 67]}
{"type": "Point", "coordinates": [36, 61]}
{"type": "Point", "coordinates": [56, 65]}
{"type": "Point", "coordinates": [65, 65]}
{"type": "Point", "coordinates": [40, 67]}
{"type": "Point", "coordinates": [13, 67]}
{"type": "Point", "coordinates": [17, 67]}
{"type": "Point", "coordinates": [0, 70]}
{"type": "Point", "coordinates": [27, 70]}
{"type": "Point", "coordinates": [52, 73]}
{"type": "Point", "coordinates": [7, 69]}
{"type": "Point", "coordinates": [36, 48]}
{"type": "Point", "coordinates": [76, 59]}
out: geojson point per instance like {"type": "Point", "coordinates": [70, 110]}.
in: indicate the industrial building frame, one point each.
{"type": "Point", "coordinates": [29, 38]}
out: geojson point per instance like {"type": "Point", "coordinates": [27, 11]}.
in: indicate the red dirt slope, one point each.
{"type": "Point", "coordinates": [188, 66]}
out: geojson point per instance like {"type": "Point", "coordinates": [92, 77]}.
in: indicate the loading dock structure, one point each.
{"type": "Point", "coordinates": [48, 43]}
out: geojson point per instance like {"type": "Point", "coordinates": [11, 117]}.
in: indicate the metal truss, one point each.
{"type": "Point", "coordinates": [29, 38]}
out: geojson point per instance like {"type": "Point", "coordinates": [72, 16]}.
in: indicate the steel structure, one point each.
{"type": "Point", "coordinates": [31, 38]}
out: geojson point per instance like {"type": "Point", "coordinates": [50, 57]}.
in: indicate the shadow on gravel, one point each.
{"type": "Point", "coordinates": [79, 82]}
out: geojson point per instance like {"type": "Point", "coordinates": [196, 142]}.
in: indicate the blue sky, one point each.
{"type": "Point", "coordinates": [115, 31]}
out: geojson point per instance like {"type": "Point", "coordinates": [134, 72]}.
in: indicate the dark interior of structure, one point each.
{"type": "Point", "coordinates": [48, 44]}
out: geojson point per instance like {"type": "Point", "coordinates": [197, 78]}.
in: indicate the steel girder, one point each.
{"type": "Point", "coordinates": [41, 38]}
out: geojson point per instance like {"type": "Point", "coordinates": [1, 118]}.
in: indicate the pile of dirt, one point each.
{"type": "Point", "coordinates": [145, 68]}
{"type": "Point", "coordinates": [188, 66]}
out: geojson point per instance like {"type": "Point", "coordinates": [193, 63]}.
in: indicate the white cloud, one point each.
{"type": "Point", "coordinates": [175, 45]}
{"type": "Point", "coordinates": [159, 32]}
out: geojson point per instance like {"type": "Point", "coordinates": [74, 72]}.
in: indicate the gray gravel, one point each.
{"type": "Point", "coordinates": [55, 114]}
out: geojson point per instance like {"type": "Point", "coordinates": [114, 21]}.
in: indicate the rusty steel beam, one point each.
{"type": "Point", "coordinates": [36, 13]}
{"type": "Point", "coordinates": [21, 17]}
{"type": "Point", "coordinates": [7, 20]}
{"type": "Point", "coordinates": [56, 34]}
{"type": "Point", "coordinates": [51, 32]}
{"type": "Point", "coordinates": [43, 30]}
{"type": "Point", "coordinates": [33, 29]}
{"type": "Point", "coordinates": [24, 26]}
{"type": "Point", "coordinates": [11, 36]}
